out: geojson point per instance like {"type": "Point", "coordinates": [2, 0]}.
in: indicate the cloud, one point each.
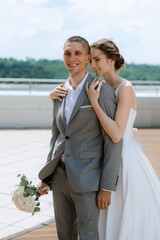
{"type": "Point", "coordinates": [25, 26]}
{"type": "Point", "coordinates": [38, 28]}
{"type": "Point", "coordinates": [101, 7]}
{"type": "Point", "coordinates": [131, 24]}
{"type": "Point", "coordinates": [136, 23]}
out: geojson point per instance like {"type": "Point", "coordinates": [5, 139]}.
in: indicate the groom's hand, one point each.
{"type": "Point", "coordinates": [103, 199]}
{"type": "Point", "coordinates": [40, 187]}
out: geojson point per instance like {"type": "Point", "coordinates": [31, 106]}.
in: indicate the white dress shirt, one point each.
{"type": "Point", "coordinates": [71, 100]}
{"type": "Point", "coordinates": [72, 97]}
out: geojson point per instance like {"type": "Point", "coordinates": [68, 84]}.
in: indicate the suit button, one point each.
{"type": "Point", "coordinates": [67, 137]}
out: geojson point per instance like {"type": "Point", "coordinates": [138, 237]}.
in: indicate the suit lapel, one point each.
{"type": "Point", "coordinates": [82, 97]}
{"type": "Point", "coordinates": [61, 111]}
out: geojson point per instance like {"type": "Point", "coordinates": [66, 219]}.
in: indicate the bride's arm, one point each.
{"type": "Point", "coordinates": [58, 93]}
{"type": "Point", "coordinates": [126, 98]}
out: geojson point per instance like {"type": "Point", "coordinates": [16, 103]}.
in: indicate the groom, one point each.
{"type": "Point", "coordinates": [83, 163]}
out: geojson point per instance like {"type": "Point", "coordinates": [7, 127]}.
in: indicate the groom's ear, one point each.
{"type": "Point", "coordinates": [88, 58]}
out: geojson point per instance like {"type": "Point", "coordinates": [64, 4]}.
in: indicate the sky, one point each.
{"type": "Point", "coordinates": [38, 28]}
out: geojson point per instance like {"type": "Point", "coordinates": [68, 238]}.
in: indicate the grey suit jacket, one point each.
{"type": "Point", "coordinates": [92, 160]}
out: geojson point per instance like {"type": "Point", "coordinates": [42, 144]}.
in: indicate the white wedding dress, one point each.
{"type": "Point", "coordinates": [134, 213]}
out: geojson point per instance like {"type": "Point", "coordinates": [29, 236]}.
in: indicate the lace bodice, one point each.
{"type": "Point", "coordinates": [132, 114]}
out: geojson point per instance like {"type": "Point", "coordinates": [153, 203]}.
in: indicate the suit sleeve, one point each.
{"type": "Point", "coordinates": [112, 151]}
{"type": "Point", "coordinates": [55, 133]}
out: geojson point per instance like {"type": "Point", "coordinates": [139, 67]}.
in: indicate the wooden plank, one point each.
{"type": "Point", "coordinates": [44, 233]}
{"type": "Point", "coordinates": [150, 142]}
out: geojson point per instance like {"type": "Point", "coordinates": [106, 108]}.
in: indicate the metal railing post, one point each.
{"type": "Point", "coordinates": [30, 87]}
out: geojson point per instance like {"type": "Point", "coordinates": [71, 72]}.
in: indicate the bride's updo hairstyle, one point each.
{"type": "Point", "coordinates": [109, 48]}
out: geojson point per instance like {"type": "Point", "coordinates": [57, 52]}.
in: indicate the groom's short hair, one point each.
{"type": "Point", "coordinates": [80, 40]}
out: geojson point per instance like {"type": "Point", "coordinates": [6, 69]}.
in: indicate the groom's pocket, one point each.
{"type": "Point", "coordinates": [90, 160]}
{"type": "Point", "coordinates": [86, 108]}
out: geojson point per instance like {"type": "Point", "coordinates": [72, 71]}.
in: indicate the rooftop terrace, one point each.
{"type": "Point", "coordinates": [25, 151]}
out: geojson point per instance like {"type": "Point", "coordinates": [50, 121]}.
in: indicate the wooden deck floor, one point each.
{"type": "Point", "coordinates": [44, 233]}
{"type": "Point", "coordinates": [150, 141]}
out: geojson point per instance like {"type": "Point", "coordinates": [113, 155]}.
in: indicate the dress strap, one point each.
{"type": "Point", "coordinates": [117, 89]}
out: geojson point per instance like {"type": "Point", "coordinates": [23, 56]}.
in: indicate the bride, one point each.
{"type": "Point", "coordinates": [134, 212]}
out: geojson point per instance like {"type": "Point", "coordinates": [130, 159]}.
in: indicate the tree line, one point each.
{"type": "Point", "coordinates": [55, 69]}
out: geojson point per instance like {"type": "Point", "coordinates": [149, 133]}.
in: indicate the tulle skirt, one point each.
{"type": "Point", "coordinates": [134, 213]}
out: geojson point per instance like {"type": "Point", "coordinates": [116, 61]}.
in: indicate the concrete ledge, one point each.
{"type": "Point", "coordinates": [25, 112]}
{"type": "Point", "coordinates": [36, 112]}
{"type": "Point", "coordinates": [148, 112]}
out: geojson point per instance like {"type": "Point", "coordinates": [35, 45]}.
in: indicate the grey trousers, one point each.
{"type": "Point", "coordinates": [76, 214]}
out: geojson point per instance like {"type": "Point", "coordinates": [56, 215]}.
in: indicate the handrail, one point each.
{"type": "Point", "coordinates": [40, 80]}
{"type": "Point", "coordinates": [30, 80]}
{"type": "Point", "coordinates": [42, 85]}
{"type": "Point", "coordinates": [146, 82]}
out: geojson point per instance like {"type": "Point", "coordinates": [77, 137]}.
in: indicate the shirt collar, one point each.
{"type": "Point", "coordinates": [79, 87]}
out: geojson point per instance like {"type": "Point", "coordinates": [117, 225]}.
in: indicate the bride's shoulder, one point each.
{"type": "Point", "coordinates": [126, 85]}
{"type": "Point", "coordinates": [126, 88]}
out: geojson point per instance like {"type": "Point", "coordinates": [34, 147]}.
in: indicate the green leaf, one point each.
{"type": "Point", "coordinates": [25, 194]}
{"type": "Point", "coordinates": [18, 175]}
{"type": "Point", "coordinates": [37, 194]}
{"type": "Point", "coordinates": [29, 191]}
{"type": "Point", "coordinates": [24, 182]}
{"type": "Point", "coordinates": [35, 188]}
{"type": "Point", "coordinates": [37, 209]}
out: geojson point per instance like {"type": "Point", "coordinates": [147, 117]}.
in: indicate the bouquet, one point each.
{"type": "Point", "coordinates": [26, 196]}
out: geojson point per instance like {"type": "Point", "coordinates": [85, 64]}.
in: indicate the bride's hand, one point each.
{"type": "Point", "coordinates": [93, 91]}
{"type": "Point", "coordinates": [58, 93]}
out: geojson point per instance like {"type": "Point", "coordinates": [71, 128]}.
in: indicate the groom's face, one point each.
{"type": "Point", "coordinates": [75, 58]}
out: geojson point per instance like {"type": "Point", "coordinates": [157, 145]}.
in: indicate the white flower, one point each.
{"type": "Point", "coordinates": [27, 202]}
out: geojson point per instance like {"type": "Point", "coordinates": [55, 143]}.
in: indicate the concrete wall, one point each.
{"type": "Point", "coordinates": [25, 112]}
{"type": "Point", "coordinates": [36, 112]}
{"type": "Point", "coordinates": [148, 112]}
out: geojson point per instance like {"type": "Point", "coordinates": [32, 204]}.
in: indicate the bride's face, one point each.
{"type": "Point", "coordinates": [99, 62]}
